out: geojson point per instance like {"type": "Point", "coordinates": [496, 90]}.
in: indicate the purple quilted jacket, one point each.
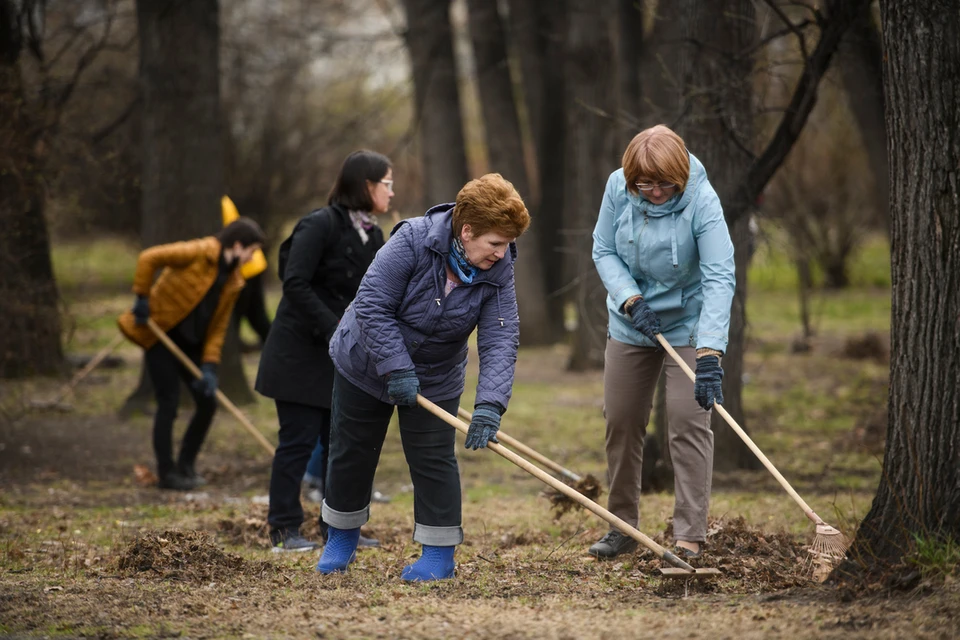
{"type": "Point", "coordinates": [401, 320]}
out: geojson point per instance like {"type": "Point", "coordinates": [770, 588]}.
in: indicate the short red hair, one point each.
{"type": "Point", "coordinates": [490, 203]}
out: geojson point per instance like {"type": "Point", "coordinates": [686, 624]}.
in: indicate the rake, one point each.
{"type": "Point", "coordinates": [681, 569]}
{"type": "Point", "coordinates": [67, 389]}
{"type": "Point", "coordinates": [829, 544]}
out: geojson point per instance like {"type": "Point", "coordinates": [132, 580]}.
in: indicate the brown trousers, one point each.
{"type": "Point", "coordinates": [629, 380]}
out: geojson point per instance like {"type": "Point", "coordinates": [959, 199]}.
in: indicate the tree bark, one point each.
{"type": "Point", "coordinates": [182, 144]}
{"type": "Point", "coordinates": [919, 493]}
{"type": "Point", "coordinates": [505, 150]}
{"type": "Point", "coordinates": [437, 99]}
{"type": "Point", "coordinates": [718, 128]}
{"type": "Point", "coordinates": [629, 63]}
{"type": "Point", "coordinates": [592, 155]}
{"type": "Point", "coordinates": [551, 211]}
{"type": "Point", "coordinates": [29, 311]}
{"type": "Point", "coordinates": [861, 65]}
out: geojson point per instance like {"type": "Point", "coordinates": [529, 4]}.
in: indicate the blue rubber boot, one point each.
{"type": "Point", "coordinates": [340, 550]}
{"type": "Point", "coordinates": [435, 563]}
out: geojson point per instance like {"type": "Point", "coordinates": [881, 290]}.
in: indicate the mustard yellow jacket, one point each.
{"type": "Point", "coordinates": [189, 270]}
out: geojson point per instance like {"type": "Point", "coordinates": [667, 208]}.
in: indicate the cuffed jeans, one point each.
{"type": "Point", "coordinates": [629, 379]}
{"type": "Point", "coordinates": [358, 427]}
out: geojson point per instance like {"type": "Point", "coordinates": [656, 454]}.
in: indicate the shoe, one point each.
{"type": "Point", "coordinates": [175, 481]}
{"type": "Point", "coordinates": [188, 471]}
{"type": "Point", "coordinates": [290, 542]}
{"type": "Point", "coordinates": [612, 545]}
{"type": "Point", "coordinates": [683, 552]}
{"type": "Point", "coordinates": [435, 563]}
{"type": "Point", "coordinates": [340, 550]}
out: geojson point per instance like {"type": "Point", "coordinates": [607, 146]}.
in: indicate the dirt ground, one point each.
{"type": "Point", "coordinates": [88, 550]}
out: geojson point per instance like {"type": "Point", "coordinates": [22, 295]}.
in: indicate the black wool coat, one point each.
{"type": "Point", "coordinates": [321, 265]}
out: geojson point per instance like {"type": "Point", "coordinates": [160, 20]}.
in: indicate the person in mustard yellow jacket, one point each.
{"type": "Point", "coordinates": [191, 301]}
{"type": "Point", "coordinates": [251, 303]}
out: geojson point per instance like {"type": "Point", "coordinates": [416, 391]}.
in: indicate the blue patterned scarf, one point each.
{"type": "Point", "coordinates": [459, 263]}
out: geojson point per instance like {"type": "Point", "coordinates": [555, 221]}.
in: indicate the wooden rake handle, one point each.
{"type": "Point", "coordinates": [743, 436]}
{"type": "Point", "coordinates": [574, 495]}
{"type": "Point", "coordinates": [101, 355]}
{"type": "Point", "coordinates": [224, 400]}
{"type": "Point", "coordinates": [525, 450]}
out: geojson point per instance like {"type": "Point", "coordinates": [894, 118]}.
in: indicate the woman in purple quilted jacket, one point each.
{"type": "Point", "coordinates": [439, 277]}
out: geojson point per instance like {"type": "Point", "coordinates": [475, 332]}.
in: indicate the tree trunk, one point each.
{"type": "Point", "coordinates": [861, 64]}
{"type": "Point", "coordinates": [629, 63]}
{"type": "Point", "coordinates": [505, 150]}
{"type": "Point", "coordinates": [182, 178]}
{"type": "Point", "coordinates": [919, 492]}
{"type": "Point", "coordinates": [29, 311]}
{"type": "Point", "coordinates": [437, 99]}
{"type": "Point", "coordinates": [660, 75]}
{"type": "Point", "coordinates": [551, 212]}
{"type": "Point", "coordinates": [717, 127]}
{"type": "Point", "coordinates": [526, 44]}
{"type": "Point", "coordinates": [592, 155]}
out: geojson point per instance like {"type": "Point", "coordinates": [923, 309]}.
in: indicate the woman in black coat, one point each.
{"type": "Point", "coordinates": [321, 265]}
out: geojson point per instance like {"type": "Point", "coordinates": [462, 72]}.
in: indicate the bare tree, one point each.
{"type": "Point", "coordinates": [592, 155]}
{"type": "Point", "coordinates": [436, 99]}
{"type": "Point", "coordinates": [182, 143]}
{"type": "Point", "coordinates": [29, 299]}
{"type": "Point", "coordinates": [918, 499]}
{"type": "Point", "coordinates": [505, 149]}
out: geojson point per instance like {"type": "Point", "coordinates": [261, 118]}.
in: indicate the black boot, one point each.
{"type": "Point", "coordinates": [175, 481]}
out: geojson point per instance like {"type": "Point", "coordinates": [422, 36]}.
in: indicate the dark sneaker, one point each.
{"type": "Point", "coordinates": [290, 542]}
{"type": "Point", "coordinates": [683, 552]}
{"type": "Point", "coordinates": [175, 481]}
{"type": "Point", "coordinates": [188, 471]}
{"type": "Point", "coordinates": [612, 545]}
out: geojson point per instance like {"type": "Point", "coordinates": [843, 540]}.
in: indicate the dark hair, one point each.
{"type": "Point", "coordinates": [242, 230]}
{"type": "Point", "coordinates": [350, 190]}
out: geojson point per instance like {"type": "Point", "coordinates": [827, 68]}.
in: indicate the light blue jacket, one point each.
{"type": "Point", "coordinates": [677, 255]}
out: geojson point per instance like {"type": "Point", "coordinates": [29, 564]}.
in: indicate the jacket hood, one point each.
{"type": "Point", "coordinates": [680, 201]}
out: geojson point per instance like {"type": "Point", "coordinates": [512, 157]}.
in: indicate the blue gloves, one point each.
{"type": "Point", "coordinates": [141, 310]}
{"type": "Point", "coordinates": [707, 388]}
{"type": "Point", "coordinates": [403, 387]}
{"type": "Point", "coordinates": [483, 427]}
{"type": "Point", "coordinates": [207, 385]}
{"type": "Point", "coordinates": [644, 319]}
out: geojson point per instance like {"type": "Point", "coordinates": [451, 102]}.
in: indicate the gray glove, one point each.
{"type": "Point", "coordinates": [403, 387]}
{"type": "Point", "coordinates": [483, 427]}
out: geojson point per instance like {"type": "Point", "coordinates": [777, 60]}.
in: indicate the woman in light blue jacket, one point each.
{"type": "Point", "coordinates": [662, 249]}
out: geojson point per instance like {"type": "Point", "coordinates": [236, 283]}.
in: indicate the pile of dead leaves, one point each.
{"type": "Point", "coordinates": [183, 555]}
{"type": "Point", "coordinates": [750, 559]}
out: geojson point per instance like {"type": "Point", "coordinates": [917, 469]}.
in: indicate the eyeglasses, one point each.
{"type": "Point", "coordinates": [646, 187]}
{"type": "Point", "coordinates": [389, 184]}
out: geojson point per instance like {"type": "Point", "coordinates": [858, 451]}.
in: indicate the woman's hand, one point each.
{"type": "Point", "coordinates": [708, 387]}
{"type": "Point", "coordinates": [643, 318]}
{"type": "Point", "coordinates": [403, 387]}
{"type": "Point", "coordinates": [483, 426]}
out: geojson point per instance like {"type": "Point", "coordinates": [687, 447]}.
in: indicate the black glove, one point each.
{"type": "Point", "coordinates": [403, 387]}
{"type": "Point", "coordinates": [644, 319]}
{"type": "Point", "coordinates": [141, 310]}
{"type": "Point", "coordinates": [483, 427]}
{"type": "Point", "coordinates": [207, 385]}
{"type": "Point", "coordinates": [707, 388]}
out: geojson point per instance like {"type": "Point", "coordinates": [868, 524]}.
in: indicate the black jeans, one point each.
{"type": "Point", "coordinates": [300, 426]}
{"type": "Point", "coordinates": [166, 373]}
{"type": "Point", "coordinates": [358, 426]}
